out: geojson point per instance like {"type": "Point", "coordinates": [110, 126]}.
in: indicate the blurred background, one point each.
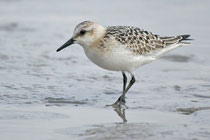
{"type": "Point", "coordinates": [50, 95]}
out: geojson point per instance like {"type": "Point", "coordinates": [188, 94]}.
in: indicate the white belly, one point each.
{"type": "Point", "coordinates": [116, 59]}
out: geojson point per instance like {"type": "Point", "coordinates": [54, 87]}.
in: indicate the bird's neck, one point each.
{"type": "Point", "coordinates": [100, 31]}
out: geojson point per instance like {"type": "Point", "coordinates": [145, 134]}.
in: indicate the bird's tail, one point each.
{"type": "Point", "coordinates": [180, 39]}
{"type": "Point", "coordinates": [185, 38]}
{"type": "Point", "coordinates": [173, 43]}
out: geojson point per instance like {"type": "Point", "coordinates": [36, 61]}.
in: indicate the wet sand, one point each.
{"type": "Point", "coordinates": [49, 95]}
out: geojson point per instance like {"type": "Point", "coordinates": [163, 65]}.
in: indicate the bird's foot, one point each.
{"type": "Point", "coordinates": [120, 100]}
{"type": "Point", "coordinates": [119, 103]}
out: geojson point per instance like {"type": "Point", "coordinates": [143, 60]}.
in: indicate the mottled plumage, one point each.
{"type": "Point", "coordinates": [140, 41]}
{"type": "Point", "coordinates": [122, 48]}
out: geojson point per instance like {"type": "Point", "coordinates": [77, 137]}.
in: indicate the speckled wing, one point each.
{"type": "Point", "coordinates": [141, 41]}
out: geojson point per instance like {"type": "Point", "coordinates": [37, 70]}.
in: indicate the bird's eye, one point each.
{"type": "Point", "coordinates": [82, 32]}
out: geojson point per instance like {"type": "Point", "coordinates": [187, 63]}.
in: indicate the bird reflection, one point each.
{"type": "Point", "coordinates": [120, 112]}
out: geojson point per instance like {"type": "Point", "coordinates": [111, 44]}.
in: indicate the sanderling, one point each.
{"type": "Point", "coordinates": [122, 48]}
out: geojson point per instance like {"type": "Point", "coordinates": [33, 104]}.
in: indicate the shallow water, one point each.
{"type": "Point", "coordinates": [49, 95]}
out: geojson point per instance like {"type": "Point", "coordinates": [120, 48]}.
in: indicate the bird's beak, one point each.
{"type": "Point", "coordinates": [68, 43]}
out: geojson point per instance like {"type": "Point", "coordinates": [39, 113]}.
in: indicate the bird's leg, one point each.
{"type": "Point", "coordinates": [124, 81]}
{"type": "Point", "coordinates": [132, 81]}
{"type": "Point", "coordinates": [121, 99]}
{"type": "Point", "coordinates": [124, 88]}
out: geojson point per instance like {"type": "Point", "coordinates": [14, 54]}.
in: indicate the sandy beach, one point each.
{"type": "Point", "coordinates": [45, 95]}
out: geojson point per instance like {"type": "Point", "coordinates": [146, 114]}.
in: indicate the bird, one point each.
{"type": "Point", "coordinates": [122, 48]}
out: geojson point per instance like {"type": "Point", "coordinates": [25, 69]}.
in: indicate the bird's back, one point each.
{"type": "Point", "coordinates": [141, 42]}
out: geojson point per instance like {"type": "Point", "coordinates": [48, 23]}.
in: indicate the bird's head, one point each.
{"type": "Point", "coordinates": [85, 34]}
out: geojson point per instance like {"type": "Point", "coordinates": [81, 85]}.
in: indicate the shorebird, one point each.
{"type": "Point", "coordinates": [122, 48]}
